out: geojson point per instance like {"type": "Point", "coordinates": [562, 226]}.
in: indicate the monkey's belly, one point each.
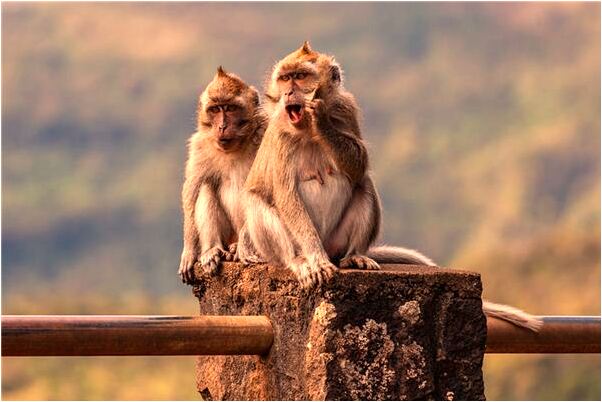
{"type": "Point", "coordinates": [326, 202]}
{"type": "Point", "coordinates": [230, 193]}
{"type": "Point", "coordinates": [230, 199]}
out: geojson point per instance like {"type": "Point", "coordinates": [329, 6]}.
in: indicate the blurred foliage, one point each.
{"type": "Point", "coordinates": [484, 125]}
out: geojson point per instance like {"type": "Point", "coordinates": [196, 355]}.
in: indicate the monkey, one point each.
{"type": "Point", "coordinates": [310, 199]}
{"type": "Point", "coordinates": [230, 125]}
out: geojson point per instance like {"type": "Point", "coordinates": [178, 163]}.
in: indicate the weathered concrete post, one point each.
{"type": "Point", "coordinates": [406, 332]}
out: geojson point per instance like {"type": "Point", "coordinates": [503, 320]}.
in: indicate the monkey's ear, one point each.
{"type": "Point", "coordinates": [221, 72]}
{"type": "Point", "coordinates": [255, 96]}
{"type": "Point", "coordinates": [306, 48]}
{"type": "Point", "coordinates": [335, 74]}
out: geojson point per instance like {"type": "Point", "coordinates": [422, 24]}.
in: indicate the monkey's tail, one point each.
{"type": "Point", "coordinates": [398, 255]}
{"type": "Point", "coordinates": [401, 255]}
{"type": "Point", "coordinates": [512, 315]}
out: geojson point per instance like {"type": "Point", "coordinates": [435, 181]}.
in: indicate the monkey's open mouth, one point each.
{"type": "Point", "coordinates": [295, 113]}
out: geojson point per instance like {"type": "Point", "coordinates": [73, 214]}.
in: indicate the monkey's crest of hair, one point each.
{"type": "Point", "coordinates": [305, 58]}
{"type": "Point", "coordinates": [224, 84]}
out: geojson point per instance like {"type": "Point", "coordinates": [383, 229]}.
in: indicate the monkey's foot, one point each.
{"type": "Point", "coordinates": [210, 260]}
{"type": "Point", "coordinates": [360, 262]}
{"type": "Point", "coordinates": [312, 274]}
{"type": "Point", "coordinates": [252, 260]}
{"type": "Point", "coordinates": [230, 254]}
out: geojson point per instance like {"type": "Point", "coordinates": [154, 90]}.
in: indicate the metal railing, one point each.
{"type": "Point", "coordinates": [58, 335]}
{"type": "Point", "coordinates": [131, 335]}
{"type": "Point", "coordinates": [559, 334]}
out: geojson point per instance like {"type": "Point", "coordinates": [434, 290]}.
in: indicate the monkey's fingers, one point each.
{"type": "Point", "coordinates": [328, 269]}
{"type": "Point", "coordinates": [372, 265]}
{"type": "Point", "coordinates": [210, 267]}
{"type": "Point", "coordinates": [230, 254]}
{"type": "Point", "coordinates": [359, 262]}
{"type": "Point", "coordinates": [255, 259]}
{"type": "Point", "coordinates": [303, 274]}
{"type": "Point", "coordinates": [186, 270]}
{"type": "Point", "coordinates": [317, 279]}
{"type": "Point", "coordinates": [308, 282]}
{"type": "Point", "coordinates": [189, 274]}
{"type": "Point", "coordinates": [212, 262]}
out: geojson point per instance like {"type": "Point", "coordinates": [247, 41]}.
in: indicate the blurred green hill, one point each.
{"type": "Point", "coordinates": [484, 129]}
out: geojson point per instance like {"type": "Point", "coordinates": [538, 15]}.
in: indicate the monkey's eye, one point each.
{"type": "Point", "coordinates": [213, 109]}
{"type": "Point", "coordinates": [231, 108]}
{"type": "Point", "coordinates": [285, 77]}
{"type": "Point", "coordinates": [300, 76]}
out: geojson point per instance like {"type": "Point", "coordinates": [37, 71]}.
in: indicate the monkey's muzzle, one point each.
{"type": "Point", "coordinates": [227, 143]}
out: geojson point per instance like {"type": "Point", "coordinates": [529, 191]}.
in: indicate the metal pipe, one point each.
{"type": "Point", "coordinates": [123, 335]}
{"type": "Point", "coordinates": [559, 334]}
{"type": "Point", "coordinates": [240, 335]}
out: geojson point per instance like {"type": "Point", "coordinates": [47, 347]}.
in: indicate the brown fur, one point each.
{"type": "Point", "coordinates": [220, 154]}
{"type": "Point", "coordinates": [310, 198]}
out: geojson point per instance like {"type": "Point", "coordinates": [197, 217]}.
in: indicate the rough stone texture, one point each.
{"type": "Point", "coordinates": [406, 332]}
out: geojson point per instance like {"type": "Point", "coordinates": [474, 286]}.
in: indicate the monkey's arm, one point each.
{"type": "Point", "coordinates": [190, 193]}
{"type": "Point", "coordinates": [339, 128]}
{"type": "Point", "coordinates": [213, 228]}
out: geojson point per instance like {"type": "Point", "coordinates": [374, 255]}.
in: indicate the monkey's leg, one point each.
{"type": "Point", "coordinates": [357, 229]}
{"type": "Point", "coordinates": [268, 235]}
{"type": "Point", "coordinates": [244, 251]}
{"type": "Point", "coordinates": [213, 226]}
{"type": "Point", "coordinates": [274, 242]}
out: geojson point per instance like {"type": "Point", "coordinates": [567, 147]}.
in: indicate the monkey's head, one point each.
{"type": "Point", "coordinates": [227, 109]}
{"type": "Point", "coordinates": [300, 77]}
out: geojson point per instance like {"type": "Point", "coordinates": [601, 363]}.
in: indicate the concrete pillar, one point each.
{"type": "Point", "coordinates": [403, 333]}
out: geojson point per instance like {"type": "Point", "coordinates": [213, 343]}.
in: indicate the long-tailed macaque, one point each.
{"type": "Point", "coordinates": [310, 200]}
{"type": "Point", "coordinates": [220, 154]}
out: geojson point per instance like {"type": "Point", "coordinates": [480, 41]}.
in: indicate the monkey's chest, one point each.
{"type": "Point", "coordinates": [326, 200]}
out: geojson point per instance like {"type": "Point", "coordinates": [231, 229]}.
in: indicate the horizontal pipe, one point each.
{"type": "Point", "coordinates": [240, 335]}
{"type": "Point", "coordinates": [559, 334]}
{"type": "Point", "coordinates": [123, 335]}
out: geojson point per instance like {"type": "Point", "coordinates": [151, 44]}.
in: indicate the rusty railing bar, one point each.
{"type": "Point", "coordinates": [559, 334]}
{"type": "Point", "coordinates": [119, 335]}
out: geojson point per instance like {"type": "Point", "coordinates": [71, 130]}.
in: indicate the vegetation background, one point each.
{"type": "Point", "coordinates": [484, 125]}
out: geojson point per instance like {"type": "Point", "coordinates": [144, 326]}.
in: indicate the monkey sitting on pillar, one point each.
{"type": "Point", "coordinates": [220, 154]}
{"type": "Point", "coordinates": [310, 200]}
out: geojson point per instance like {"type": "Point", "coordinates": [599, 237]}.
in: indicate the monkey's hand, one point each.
{"type": "Point", "coordinates": [187, 261]}
{"type": "Point", "coordinates": [359, 262]}
{"type": "Point", "coordinates": [230, 254]}
{"type": "Point", "coordinates": [313, 272]}
{"type": "Point", "coordinates": [319, 113]}
{"type": "Point", "coordinates": [210, 260]}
